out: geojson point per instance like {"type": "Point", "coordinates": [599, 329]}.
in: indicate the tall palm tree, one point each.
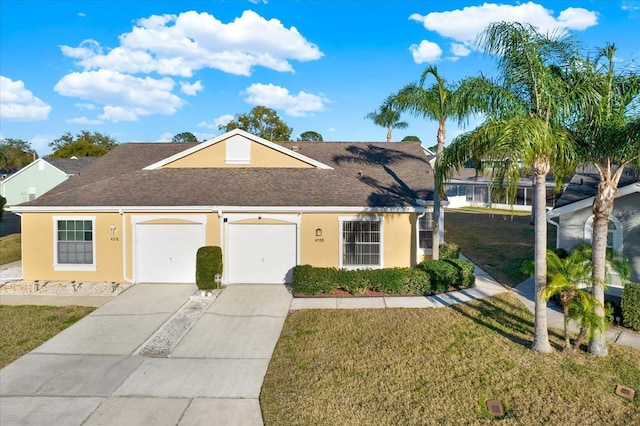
{"type": "Point", "coordinates": [388, 117]}
{"type": "Point", "coordinates": [608, 135]}
{"type": "Point", "coordinates": [439, 102]}
{"type": "Point", "coordinates": [523, 128]}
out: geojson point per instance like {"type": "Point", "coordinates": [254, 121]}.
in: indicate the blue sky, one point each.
{"type": "Point", "coordinates": [147, 70]}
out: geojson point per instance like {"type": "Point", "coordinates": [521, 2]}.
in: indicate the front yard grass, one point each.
{"type": "Point", "coordinates": [498, 241]}
{"type": "Point", "coordinates": [24, 328]}
{"type": "Point", "coordinates": [439, 366]}
{"type": "Point", "coordinates": [10, 250]}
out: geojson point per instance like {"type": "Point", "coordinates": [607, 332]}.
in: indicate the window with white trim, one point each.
{"type": "Point", "coordinates": [361, 242]}
{"type": "Point", "coordinates": [74, 243]}
{"type": "Point", "coordinates": [614, 233]}
{"type": "Point", "coordinates": [425, 232]}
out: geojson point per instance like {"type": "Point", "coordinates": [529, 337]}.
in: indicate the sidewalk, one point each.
{"type": "Point", "coordinates": [525, 292]}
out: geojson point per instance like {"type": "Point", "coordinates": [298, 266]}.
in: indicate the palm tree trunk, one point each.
{"type": "Point", "coordinates": [441, 138]}
{"type": "Point", "coordinates": [389, 130]}
{"type": "Point", "coordinates": [602, 207]}
{"type": "Point", "coordinates": [540, 333]}
{"type": "Point", "coordinates": [565, 309]}
{"type": "Point", "coordinates": [581, 335]}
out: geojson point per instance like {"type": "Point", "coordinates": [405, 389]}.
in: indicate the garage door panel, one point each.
{"type": "Point", "coordinates": [167, 252]}
{"type": "Point", "coordinates": [261, 253]}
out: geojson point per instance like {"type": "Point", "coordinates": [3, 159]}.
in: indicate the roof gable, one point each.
{"type": "Point", "coordinates": [237, 148]}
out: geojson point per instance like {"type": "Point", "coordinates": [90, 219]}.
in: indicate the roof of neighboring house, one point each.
{"type": "Point", "coordinates": [584, 185]}
{"type": "Point", "coordinates": [70, 166]}
{"type": "Point", "coordinates": [364, 175]}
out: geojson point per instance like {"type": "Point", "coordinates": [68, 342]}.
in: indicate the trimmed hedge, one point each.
{"type": "Point", "coordinates": [307, 279]}
{"type": "Point", "coordinates": [449, 251]}
{"type": "Point", "coordinates": [310, 280]}
{"type": "Point", "coordinates": [208, 264]}
{"type": "Point", "coordinates": [631, 306]}
{"type": "Point", "coordinates": [445, 274]}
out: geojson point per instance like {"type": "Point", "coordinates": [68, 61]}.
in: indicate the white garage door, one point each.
{"type": "Point", "coordinates": [166, 253]}
{"type": "Point", "coordinates": [261, 253]}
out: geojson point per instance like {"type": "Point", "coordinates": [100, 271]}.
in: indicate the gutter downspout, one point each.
{"type": "Point", "coordinates": [124, 247]}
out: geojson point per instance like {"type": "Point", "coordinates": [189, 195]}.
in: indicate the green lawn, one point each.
{"type": "Point", "coordinates": [497, 241]}
{"type": "Point", "coordinates": [438, 366]}
{"type": "Point", "coordinates": [10, 248]}
{"type": "Point", "coordinates": [24, 328]}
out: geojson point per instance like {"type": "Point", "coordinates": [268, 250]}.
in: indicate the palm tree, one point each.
{"type": "Point", "coordinates": [388, 117]}
{"type": "Point", "coordinates": [565, 277]}
{"type": "Point", "coordinates": [608, 135]}
{"type": "Point", "coordinates": [439, 102]}
{"type": "Point", "coordinates": [523, 128]}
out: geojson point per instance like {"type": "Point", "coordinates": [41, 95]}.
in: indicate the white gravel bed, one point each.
{"type": "Point", "coordinates": [62, 288]}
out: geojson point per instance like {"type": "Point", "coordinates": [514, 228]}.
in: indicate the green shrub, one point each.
{"type": "Point", "coordinates": [442, 274]}
{"type": "Point", "coordinates": [208, 264]}
{"type": "Point", "coordinates": [307, 279]}
{"type": "Point", "coordinates": [3, 202]}
{"type": "Point", "coordinates": [449, 251]}
{"type": "Point", "coordinates": [465, 276]}
{"type": "Point", "coordinates": [631, 306]}
{"type": "Point", "coordinates": [355, 281]}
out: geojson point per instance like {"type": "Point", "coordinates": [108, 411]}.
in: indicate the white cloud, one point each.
{"type": "Point", "coordinates": [459, 49]}
{"type": "Point", "coordinates": [165, 137]}
{"type": "Point", "coordinates": [426, 51]}
{"type": "Point", "coordinates": [219, 121]}
{"type": "Point", "coordinates": [277, 97]}
{"type": "Point", "coordinates": [125, 97]}
{"type": "Point", "coordinates": [181, 44]}
{"type": "Point", "coordinates": [82, 14]}
{"type": "Point", "coordinates": [191, 89]}
{"type": "Point", "coordinates": [18, 103]}
{"type": "Point", "coordinates": [84, 120]}
{"type": "Point", "coordinates": [204, 136]}
{"type": "Point", "coordinates": [464, 25]}
{"type": "Point", "coordinates": [89, 107]}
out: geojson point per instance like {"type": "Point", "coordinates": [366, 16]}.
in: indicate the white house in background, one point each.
{"type": "Point", "coordinates": [573, 218]}
{"type": "Point", "coordinates": [43, 174]}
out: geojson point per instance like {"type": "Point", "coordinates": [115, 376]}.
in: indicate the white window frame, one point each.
{"type": "Point", "coordinates": [341, 221]}
{"type": "Point", "coordinates": [617, 233]}
{"type": "Point", "coordinates": [73, 266]}
{"type": "Point", "coordinates": [424, 251]}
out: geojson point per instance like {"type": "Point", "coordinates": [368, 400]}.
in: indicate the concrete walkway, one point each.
{"type": "Point", "coordinates": [88, 374]}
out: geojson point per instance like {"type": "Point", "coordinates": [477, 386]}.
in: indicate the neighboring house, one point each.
{"type": "Point", "coordinates": [467, 188]}
{"type": "Point", "coordinates": [140, 213]}
{"type": "Point", "coordinates": [574, 218]}
{"type": "Point", "coordinates": [43, 174]}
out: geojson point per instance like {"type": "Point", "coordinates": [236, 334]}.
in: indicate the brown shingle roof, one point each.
{"type": "Point", "coordinates": [364, 175]}
{"type": "Point", "coordinates": [70, 166]}
{"type": "Point", "coordinates": [584, 185]}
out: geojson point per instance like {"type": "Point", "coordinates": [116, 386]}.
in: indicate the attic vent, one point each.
{"type": "Point", "coordinates": [238, 150]}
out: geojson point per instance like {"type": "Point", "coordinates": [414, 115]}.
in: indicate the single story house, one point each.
{"type": "Point", "coordinates": [140, 213]}
{"type": "Point", "coordinates": [40, 176]}
{"type": "Point", "coordinates": [573, 218]}
{"type": "Point", "coordinates": [468, 188]}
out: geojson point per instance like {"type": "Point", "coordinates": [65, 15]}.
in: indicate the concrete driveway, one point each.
{"type": "Point", "coordinates": [90, 374]}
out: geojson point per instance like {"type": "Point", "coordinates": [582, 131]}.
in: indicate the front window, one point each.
{"type": "Point", "coordinates": [75, 243]}
{"type": "Point", "coordinates": [614, 233]}
{"type": "Point", "coordinates": [425, 232]}
{"type": "Point", "coordinates": [361, 243]}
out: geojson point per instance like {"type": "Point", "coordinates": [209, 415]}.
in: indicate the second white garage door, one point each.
{"type": "Point", "coordinates": [261, 253]}
{"type": "Point", "coordinates": [166, 253]}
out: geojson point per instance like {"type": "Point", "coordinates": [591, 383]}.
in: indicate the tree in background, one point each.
{"type": "Point", "coordinates": [608, 136]}
{"type": "Point", "coordinates": [261, 121]}
{"type": "Point", "coordinates": [310, 136]}
{"type": "Point", "coordinates": [526, 112]}
{"type": "Point", "coordinates": [15, 154]}
{"type": "Point", "coordinates": [439, 102]}
{"type": "Point", "coordinates": [184, 137]}
{"type": "Point", "coordinates": [84, 144]}
{"type": "Point", "coordinates": [387, 116]}
{"type": "Point", "coordinates": [411, 139]}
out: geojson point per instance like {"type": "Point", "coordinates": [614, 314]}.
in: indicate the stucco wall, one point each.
{"type": "Point", "coordinates": [114, 252]}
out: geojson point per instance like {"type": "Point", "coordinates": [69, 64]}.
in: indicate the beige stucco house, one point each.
{"type": "Point", "coordinates": [573, 218]}
{"type": "Point", "coordinates": [140, 213]}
